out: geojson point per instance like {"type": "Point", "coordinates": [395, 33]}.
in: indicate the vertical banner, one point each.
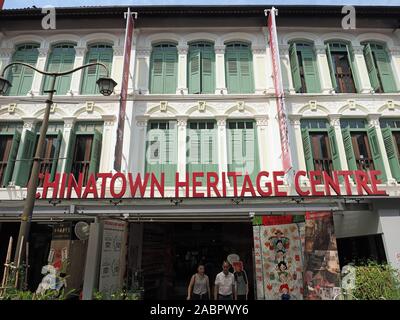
{"type": "Point", "coordinates": [124, 90]}
{"type": "Point", "coordinates": [280, 102]}
{"type": "Point", "coordinates": [321, 262]}
{"type": "Point", "coordinates": [258, 267]}
{"type": "Point", "coordinates": [113, 256]}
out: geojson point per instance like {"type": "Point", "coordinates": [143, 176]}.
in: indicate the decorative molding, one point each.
{"type": "Point", "coordinates": [183, 49]}
{"type": "Point", "coordinates": [219, 49]}
{"type": "Point", "coordinates": [319, 49]}
{"type": "Point", "coordinates": [143, 52]}
{"type": "Point", "coordinates": [294, 120]}
{"type": "Point", "coordinates": [163, 106]}
{"type": "Point", "coordinates": [141, 121]}
{"type": "Point", "coordinates": [6, 52]}
{"type": "Point", "coordinates": [109, 120]}
{"type": "Point", "coordinates": [358, 49]}
{"type": "Point", "coordinates": [118, 51]}
{"type": "Point", "coordinates": [394, 51]}
{"type": "Point", "coordinates": [334, 120]}
{"type": "Point", "coordinates": [53, 108]}
{"type": "Point", "coordinates": [11, 108]}
{"type": "Point", "coordinates": [283, 50]}
{"type": "Point", "coordinates": [240, 105]}
{"type": "Point", "coordinates": [201, 106]}
{"type": "Point", "coordinates": [89, 106]}
{"type": "Point", "coordinates": [43, 52]}
{"type": "Point", "coordinates": [29, 122]}
{"type": "Point", "coordinates": [261, 121]}
{"type": "Point", "coordinates": [181, 122]}
{"type": "Point", "coordinates": [390, 105]}
{"type": "Point", "coordinates": [221, 121]}
{"type": "Point", "coordinates": [373, 119]}
{"type": "Point", "coordinates": [352, 104]}
{"type": "Point", "coordinates": [69, 122]}
{"type": "Point", "coordinates": [80, 51]}
{"type": "Point", "coordinates": [313, 105]}
{"type": "Point", "coordinates": [259, 49]}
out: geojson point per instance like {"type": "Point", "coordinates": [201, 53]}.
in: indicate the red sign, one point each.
{"type": "Point", "coordinates": [266, 184]}
{"type": "Point", "coordinates": [124, 90]}
{"type": "Point", "coordinates": [280, 103]}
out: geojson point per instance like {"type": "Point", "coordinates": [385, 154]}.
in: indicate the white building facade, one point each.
{"type": "Point", "coordinates": [201, 98]}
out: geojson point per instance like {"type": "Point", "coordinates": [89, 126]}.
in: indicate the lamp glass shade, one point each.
{"type": "Point", "coordinates": [4, 86]}
{"type": "Point", "coordinates": [106, 86]}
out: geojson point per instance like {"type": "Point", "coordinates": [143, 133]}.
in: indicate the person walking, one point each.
{"type": "Point", "coordinates": [199, 286]}
{"type": "Point", "coordinates": [225, 284]}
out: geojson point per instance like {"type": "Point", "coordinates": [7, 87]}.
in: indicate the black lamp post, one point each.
{"type": "Point", "coordinates": [106, 87]}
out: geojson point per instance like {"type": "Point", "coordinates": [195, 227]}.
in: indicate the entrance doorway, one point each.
{"type": "Point", "coordinates": [172, 251]}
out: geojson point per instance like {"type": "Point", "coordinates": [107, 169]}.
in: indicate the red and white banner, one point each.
{"type": "Point", "coordinates": [1, 4]}
{"type": "Point", "coordinates": [279, 93]}
{"type": "Point", "coordinates": [124, 90]}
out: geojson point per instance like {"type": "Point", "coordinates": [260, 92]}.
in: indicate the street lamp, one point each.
{"type": "Point", "coordinates": [106, 87]}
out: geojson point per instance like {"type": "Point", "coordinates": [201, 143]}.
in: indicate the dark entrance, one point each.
{"type": "Point", "coordinates": [172, 251]}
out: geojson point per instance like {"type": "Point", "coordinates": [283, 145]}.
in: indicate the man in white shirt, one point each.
{"type": "Point", "coordinates": [225, 284]}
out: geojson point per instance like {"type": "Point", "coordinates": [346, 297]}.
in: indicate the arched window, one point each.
{"type": "Point", "coordinates": [163, 68]}
{"type": "Point", "coordinates": [304, 68]}
{"type": "Point", "coordinates": [61, 58]}
{"type": "Point", "coordinates": [97, 53]}
{"type": "Point", "coordinates": [201, 64]}
{"type": "Point", "coordinates": [342, 67]}
{"type": "Point", "coordinates": [239, 68]}
{"type": "Point", "coordinates": [21, 77]}
{"type": "Point", "coordinates": [379, 70]}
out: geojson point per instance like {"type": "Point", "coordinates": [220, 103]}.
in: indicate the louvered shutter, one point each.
{"type": "Point", "coordinates": [308, 153]}
{"type": "Point", "coordinates": [153, 152]}
{"type": "Point", "coordinates": [21, 77]}
{"type": "Point", "coordinates": [310, 70]}
{"type": "Point", "coordinates": [295, 67]}
{"type": "Point", "coordinates": [169, 155]}
{"type": "Point", "coordinates": [56, 154]}
{"type": "Point", "coordinates": [232, 72]}
{"type": "Point", "coordinates": [348, 148]}
{"type": "Point", "coordinates": [385, 70]}
{"type": "Point", "coordinates": [70, 151]}
{"type": "Point", "coordinates": [11, 159]}
{"type": "Point", "coordinates": [170, 65]}
{"type": "Point", "coordinates": [194, 71]}
{"type": "Point", "coordinates": [331, 67]}
{"type": "Point", "coordinates": [376, 152]}
{"type": "Point", "coordinates": [95, 153]}
{"type": "Point", "coordinates": [24, 164]}
{"type": "Point", "coordinates": [207, 71]}
{"type": "Point", "coordinates": [372, 71]}
{"type": "Point", "coordinates": [334, 148]}
{"type": "Point", "coordinates": [354, 69]}
{"type": "Point", "coordinates": [250, 152]}
{"type": "Point", "coordinates": [391, 152]}
{"type": "Point", "coordinates": [246, 72]}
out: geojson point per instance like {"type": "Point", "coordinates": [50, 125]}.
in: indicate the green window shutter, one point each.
{"type": "Point", "coordinates": [391, 152]}
{"type": "Point", "coordinates": [194, 152]}
{"type": "Point", "coordinates": [348, 148]}
{"type": "Point", "coordinates": [207, 71]}
{"type": "Point", "coordinates": [153, 156]}
{"type": "Point", "coordinates": [157, 72]}
{"type": "Point", "coordinates": [308, 153]}
{"type": "Point", "coordinates": [331, 67]}
{"type": "Point", "coordinates": [310, 70]}
{"type": "Point", "coordinates": [23, 167]}
{"type": "Point", "coordinates": [385, 70]}
{"type": "Point", "coordinates": [70, 151]}
{"type": "Point", "coordinates": [334, 148]}
{"type": "Point", "coordinates": [170, 65]}
{"type": "Point", "coordinates": [11, 159]}
{"type": "Point", "coordinates": [61, 59]}
{"type": "Point", "coordinates": [91, 74]}
{"type": "Point", "coordinates": [95, 153]}
{"type": "Point", "coordinates": [372, 71]}
{"type": "Point", "coordinates": [235, 159]}
{"type": "Point", "coordinates": [208, 150]}
{"type": "Point", "coordinates": [354, 70]}
{"type": "Point", "coordinates": [54, 164]}
{"type": "Point", "coordinates": [376, 152]}
{"type": "Point", "coordinates": [295, 67]}
{"type": "Point", "coordinates": [250, 152]}
{"type": "Point", "coordinates": [21, 77]}
{"type": "Point", "coordinates": [232, 72]}
{"type": "Point", "coordinates": [246, 71]}
{"type": "Point", "coordinates": [194, 71]}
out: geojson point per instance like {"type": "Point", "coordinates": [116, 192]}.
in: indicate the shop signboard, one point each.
{"type": "Point", "coordinates": [266, 184]}
{"type": "Point", "coordinates": [112, 256]}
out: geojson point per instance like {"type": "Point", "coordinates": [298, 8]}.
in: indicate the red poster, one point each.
{"type": "Point", "coordinates": [274, 220]}
{"type": "Point", "coordinates": [124, 90]}
{"type": "Point", "coordinates": [276, 65]}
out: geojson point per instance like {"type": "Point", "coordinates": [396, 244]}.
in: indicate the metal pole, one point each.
{"type": "Point", "coordinates": [26, 216]}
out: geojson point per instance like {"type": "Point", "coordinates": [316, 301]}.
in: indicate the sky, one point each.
{"type": "Point", "coordinates": [73, 3]}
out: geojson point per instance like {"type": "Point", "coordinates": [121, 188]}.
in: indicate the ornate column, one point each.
{"type": "Point", "coordinates": [69, 123]}
{"type": "Point", "coordinates": [323, 69]}
{"type": "Point", "coordinates": [286, 71]}
{"type": "Point", "coordinates": [139, 153]}
{"type": "Point", "coordinates": [38, 77]}
{"type": "Point", "coordinates": [220, 83]}
{"type": "Point", "coordinates": [361, 69]}
{"type": "Point", "coordinates": [222, 146]}
{"type": "Point", "coordinates": [107, 148]}
{"type": "Point", "coordinates": [181, 154]}
{"type": "Point", "coordinates": [182, 69]}
{"type": "Point", "coordinates": [334, 121]}
{"type": "Point", "coordinates": [262, 126]}
{"type": "Point", "coordinates": [142, 70]}
{"type": "Point", "coordinates": [117, 67]}
{"type": "Point", "coordinates": [373, 121]}
{"type": "Point", "coordinates": [394, 53]}
{"type": "Point", "coordinates": [76, 77]}
{"type": "Point", "coordinates": [260, 69]}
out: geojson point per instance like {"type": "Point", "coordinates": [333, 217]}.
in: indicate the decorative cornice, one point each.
{"type": "Point", "coordinates": [261, 121]}
{"type": "Point", "coordinates": [141, 121]}
{"type": "Point", "coordinates": [395, 51]}
{"type": "Point", "coordinates": [373, 119]}
{"type": "Point", "coordinates": [294, 119]}
{"type": "Point", "coordinates": [181, 121]}
{"type": "Point", "coordinates": [109, 120]}
{"type": "Point", "coordinates": [69, 122]}
{"type": "Point", "coordinates": [358, 49]}
{"type": "Point", "coordinates": [334, 119]}
{"type": "Point", "coordinates": [221, 121]}
{"type": "Point", "coordinates": [143, 52]}
{"type": "Point", "coordinates": [258, 49]}
{"type": "Point", "coordinates": [319, 49]}
{"type": "Point", "coordinates": [283, 50]}
{"type": "Point", "coordinates": [43, 52]}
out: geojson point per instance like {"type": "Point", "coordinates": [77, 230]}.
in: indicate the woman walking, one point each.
{"type": "Point", "coordinates": [199, 286]}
